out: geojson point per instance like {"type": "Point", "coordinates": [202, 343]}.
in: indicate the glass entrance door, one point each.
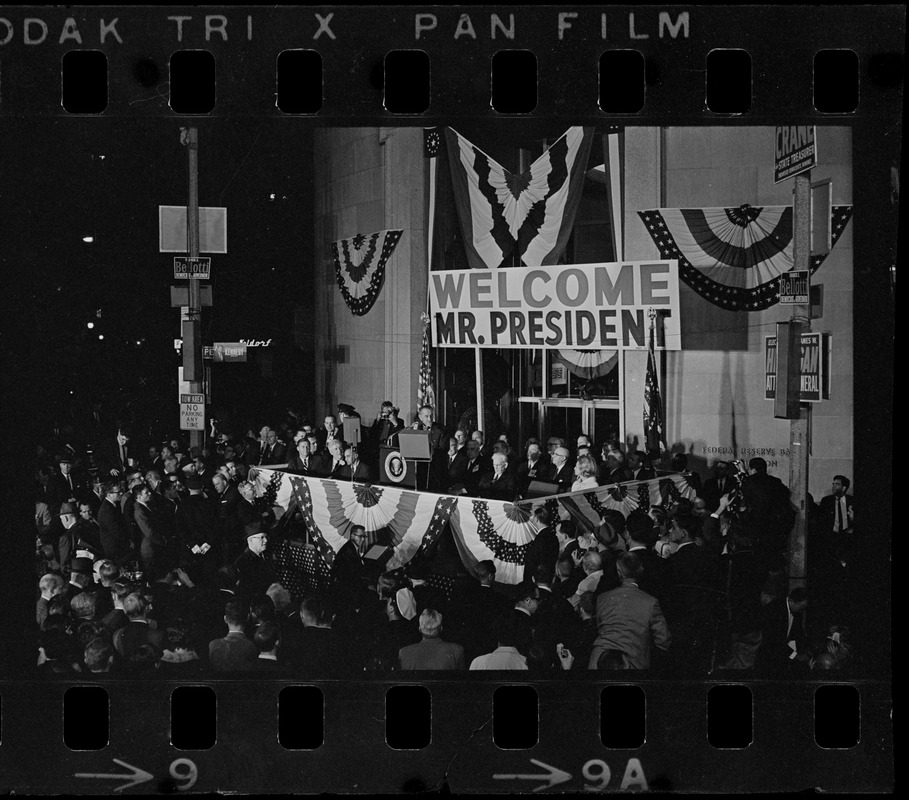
{"type": "Point", "coordinates": [563, 419]}
{"type": "Point", "coordinates": [567, 418]}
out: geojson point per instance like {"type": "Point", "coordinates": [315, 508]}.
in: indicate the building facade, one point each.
{"type": "Point", "coordinates": [372, 178]}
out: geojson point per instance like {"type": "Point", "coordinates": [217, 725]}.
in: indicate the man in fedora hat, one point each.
{"type": "Point", "coordinates": [63, 533]}
{"type": "Point", "coordinates": [64, 485]}
{"type": "Point", "coordinates": [255, 569]}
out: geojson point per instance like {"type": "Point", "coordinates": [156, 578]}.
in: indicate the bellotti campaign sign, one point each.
{"type": "Point", "coordinates": [586, 306]}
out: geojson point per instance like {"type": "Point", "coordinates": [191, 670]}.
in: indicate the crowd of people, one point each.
{"type": "Point", "coordinates": [159, 562]}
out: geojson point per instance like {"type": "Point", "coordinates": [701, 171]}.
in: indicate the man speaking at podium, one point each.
{"type": "Point", "coordinates": [438, 440]}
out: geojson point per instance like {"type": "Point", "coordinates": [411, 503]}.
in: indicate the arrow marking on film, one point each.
{"type": "Point", "coordinates": [555, 776]}
{"type": "Point", "coordinates": [136, 777]}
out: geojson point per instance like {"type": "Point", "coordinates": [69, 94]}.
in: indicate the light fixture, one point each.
{"type": "Point", "coordinates": [88, 239]}
{"type": "Point", "coordinates": [90, 325]}
{"type": "Point", "coordinates": [100, 335]}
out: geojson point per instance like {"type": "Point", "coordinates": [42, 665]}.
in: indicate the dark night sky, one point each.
{"type": "Point", "coordinates": [62, 189]}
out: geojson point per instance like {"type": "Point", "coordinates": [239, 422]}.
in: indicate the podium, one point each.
{"type": "Point", "coordinates": [395, 470]}
{"type": "Point", "coordinates": [415, 445]}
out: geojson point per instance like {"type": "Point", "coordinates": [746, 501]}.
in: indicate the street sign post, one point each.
{"type": "Point", "coordinates": [186, 267]}
{"type": "Point", "coordinates": [225, 352]}
{"type": "Point", "coordinates": [192, 412]}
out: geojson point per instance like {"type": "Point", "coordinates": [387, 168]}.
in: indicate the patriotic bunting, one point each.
{"type": "Point", "coordinates": [533, 211]}
{"type": "Point", "coordinates": [733, 257]}
{"type": "Point", "coordinates": [483, 529]}
{"type": "Point", "coordinates": [360, 267]}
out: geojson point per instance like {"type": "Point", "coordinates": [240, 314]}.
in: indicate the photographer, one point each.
{"type": "Point", "coordinates": [386, 424]}
{"type": "Point", "coordinates": [766, 499]}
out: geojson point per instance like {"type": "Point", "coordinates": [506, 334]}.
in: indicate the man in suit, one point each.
{"type": "Point", "coordinates": [300, 462]}
{"type": "Point", "coordinates": [114, 532]}
{"type": "Point", "coordinates": [255, 570]}
{"type": "Point", "coordinates": [693, 596]}
{"type": "Point", "coordinates": [718, 485]}
{"type": "Point", "coordinates": [336, 455]}
{"type": "Point", "coordinates": [640, 538]}
{"type": "Point", "coordinates": [436, 480]}
{"type": "Point", "coordinates": [614, 470]}
{"type": "Point", "coordinates": [386, 425]}
{"type": "Point", "coordinates": [555, 621]}
{"type": "Point", "coordinates": [354, 469]}
{"type": "Point", "coordinates": [267, 640]}
{"type": "Point", "coordinates": [330, 432]}
{"type": "Point", "coordinates": [629, 620]}
{"type": "Point", "coordinates": [347, 566]}
{"type": "Point", "coordinates": [64, 486]}
{"type": "Point", "coordinates": [226, 494]}
{"type": "Point", "coordinates": [533, 467]}
{"type": "Point", "coordinates": [499, 484]}
{"type": "Point", "coordinates": [636, 468]}
{"type": "Point", "coordinates": [198, 527]}
{"type": "Point", "coordinates": [475, 468]}
{"type": "Point", "coordinates": [767, 499]}
{"type": "Point", "coordinates": [561, 471]}
{"type": "Point", "coordinates": [275, 451]}
{"type": "Point", "coordinates": [479, 607]}
{"type": "Point", "coordinates": [456, 459]}
{"type": "Point", "coordinates": [137, 632]}
{"type": "Point", "coordinates": [234, 652]}
{"type": "Point", "coordinates": [784, 639]}
{"type": "Point", "coordinates": [527, 602]}
{"type": "Point", "coordinates": [152, 549]}
{"type": "Point", "coordinates": [114, 457]}
{"type": "Point", "coordinates": [432, 652]}
{"type": "Point", "coordinates": [544, 549]}
{"type": "Point", "coordinates": [835, 514]}
{"type": "Point", "coordinates": [312, 647]}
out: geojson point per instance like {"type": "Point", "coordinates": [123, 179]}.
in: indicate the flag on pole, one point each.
{"type": "Point", "coordinates": [653, 406]}
{"type": "Point", "coordinates": [426, 395]}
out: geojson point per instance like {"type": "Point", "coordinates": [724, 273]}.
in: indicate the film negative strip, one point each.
{"type": "Point", "coordinates": [698, 207]}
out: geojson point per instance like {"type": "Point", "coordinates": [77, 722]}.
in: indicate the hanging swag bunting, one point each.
{"type": "Point", "coordinates": [533, 211]}
{"type": "Point", "coordinates": [733, 257]}
{"type": "Point", "coordinates": [482, 529]}
{"type": "Point", "coordinates": [360, 267]}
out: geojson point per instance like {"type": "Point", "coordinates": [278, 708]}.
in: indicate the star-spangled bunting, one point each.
{"type": "Point", "coordinates": [360, 267]}
{"type": "Point", "coordinates": [440, 519]}
{"type": "Point", "coordinates": [503, 549]}
{"type": "Point", "coordinates": [733, 257]}
{"type": "Point", "coordinates": [432, 141]}
{"type": "Point", "coordinates": [483, 529]}
{"type": "Point", "coordinates": [304, 503]}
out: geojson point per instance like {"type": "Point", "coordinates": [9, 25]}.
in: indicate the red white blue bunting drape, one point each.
{"type": "Point", "coordinates": [360, 267]}
{"type": "Point", "coordinates": [533, 211]}
{"type": "Point", "coordinates": [733, 257]}
{"type": "Point", "coordinates": [483, 529]}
